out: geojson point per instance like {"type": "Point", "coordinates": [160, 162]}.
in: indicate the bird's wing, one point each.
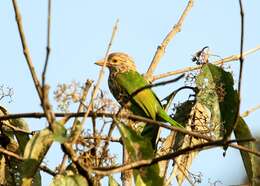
{"type": "Point", "coordinates": [131, 82]}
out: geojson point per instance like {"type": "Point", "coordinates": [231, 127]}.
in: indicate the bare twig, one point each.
{"type": "Point", "coordinates": [249, 111]}
{"type": "Point", "coordinates": [105, 138]}
{"type": "Point", "coordinates": [109, 135]}
{"type": "Point", "coordinates": [17, 129]}
{"type": "Point", "coordinates": [241, 58]}
{"type": "Point", "coordinates": [101, 74]}
{"type": "Point", "coordinates": [44, 168]}
{"type": "Point", "coordinates": [218, 62]}
{"type": "Point", "coordinates": [63, 164]}
{"type": "Point", "coordinates": [161, 49]}
{"type": "Point", "coordinates": [241, 64]}
{"type": "Point", "coordinates": [10, 153]}
{"type": "Point", "coordinates": [85, 91]}
{"type": "Point", "coordinates": [48, 47]}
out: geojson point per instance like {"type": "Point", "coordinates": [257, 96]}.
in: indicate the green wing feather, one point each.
{"type": "Point", "coordinates": [132, 81]}
{"type": "Point", "coordinates": [146, 99]}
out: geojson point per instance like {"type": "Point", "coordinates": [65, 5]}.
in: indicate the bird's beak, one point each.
{"type": "Point", "coordinates": [100, 62]}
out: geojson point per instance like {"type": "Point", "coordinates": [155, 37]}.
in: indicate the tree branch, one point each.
{"type": "Point", "coordinates": [148, 162]}
{"type": "Point", "coordinates": [26, 49]}
{"type": "Point", "coordinates": [101, 74]}
{"type": "Point", "coordinates": [161, 49]}
{"type": "Point", "coordinates": [249, 111]}
{"type": "Point", "coordinates": [48, 48]}
{"type": "Point", "coordinates": [218, 62]}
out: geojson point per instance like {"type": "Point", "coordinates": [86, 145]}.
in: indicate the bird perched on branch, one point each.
{"type": "Point", "coordinates": [128, 88]}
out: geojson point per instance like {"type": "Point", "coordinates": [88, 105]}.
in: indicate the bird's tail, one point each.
{"type": "Point", "coordinates": [166, 118]}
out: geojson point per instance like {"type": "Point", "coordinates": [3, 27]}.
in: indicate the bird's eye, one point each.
{"type": "Point", "coordinates": [114, 60]}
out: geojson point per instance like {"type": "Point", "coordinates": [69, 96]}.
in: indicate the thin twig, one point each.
{"type": "Point", "coordinates": [17, 129]}
{"type": "Point", "coordinates": [85, 91]}
{"type": "Point", "coordinates": [241, 58]}
{"type": "Point", "coordinates": [62, 166]}
{"type": "Point", "coordinates": [218, 62]}
{"type": "Point", "coordinates": [249, 111]}
{"type": "Point", "coordinates": [105, 138]}
{"type": "Point", "coordinates": [100, 77]}
{"type": "Point", "coordinates": [44, 168]}
{"type": "Point", "coordinates": [161, 48]}
{"type": "Point", "coordinates": [241, 64]}
{"type": "Point", "coordinates": [106, 143]}
{"type": "Point", "coordinates": [48, 47]}
{"type": "Point", "coordinates": [10, 153]}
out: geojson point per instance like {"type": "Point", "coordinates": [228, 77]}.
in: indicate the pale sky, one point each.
{"type": "Point", "coordinates": [79, 36]}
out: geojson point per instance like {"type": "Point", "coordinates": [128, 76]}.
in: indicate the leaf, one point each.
{"type": "Point", "coordinates": [140, 148]}
{"type": "Point", "coordinates": [72, 180]}
{"type": "Point", "coordinates": [34, 153]}
{"type": "Point", "coordinates": [181, 116]}
{"type": "Point", "coordinates": [216, 92]}
{"type": "Point", "coordinates": [59, 132]}
{"type": "Point", "coordinates": [251, 161]}
{"type": "Point", "coordinates": [112, 181]}
{"type": "Point", "coordinates": [11, 168]}
{"type": "Point", "coordinates": [21, 137]}
{"type": "Point", "coordinates": [183, 162]}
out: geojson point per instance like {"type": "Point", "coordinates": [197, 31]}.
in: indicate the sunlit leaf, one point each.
{"type": "Point", "coordinates": [216, 92]}
{"type": "Point", "coordinates": [72, 180]}
{"type": "Point", "coordinates": [59, 132]}
{"type": "Point", "coordinates": [112, 181]}
{"type": "Point", "coordinates": [34, 153]}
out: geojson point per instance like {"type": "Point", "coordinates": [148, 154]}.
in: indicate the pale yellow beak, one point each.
{"type": "Point", "coordinates": [100, 62]}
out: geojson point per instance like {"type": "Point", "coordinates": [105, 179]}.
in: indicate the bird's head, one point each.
{"type": "Point", "coordinates": [118, 61]}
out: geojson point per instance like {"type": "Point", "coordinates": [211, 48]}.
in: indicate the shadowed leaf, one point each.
{"type": "Point", "coordinates": [251, 161]}
{"type": "Point", "coordinates": [140, 148]}
{"type": "Point", "coordinates": [11, 168]}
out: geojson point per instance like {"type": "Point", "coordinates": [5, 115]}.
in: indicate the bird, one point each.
{"type": "Point", "coordinates": [124, 81]}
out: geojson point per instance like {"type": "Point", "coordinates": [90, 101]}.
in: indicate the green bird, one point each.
{"type": "Point", "coordinates": [123, 81]}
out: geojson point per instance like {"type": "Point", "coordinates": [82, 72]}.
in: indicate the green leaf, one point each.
{"type": "Point", "coordinates": [251, 161]}
{"type": "Point", "coordinates": [34, 153]}
{"type": "Point", "coordinates": [112, 181]}
{"type": "Point", "coordinates": [216, 92]}
{"type": "Point", "coordinates": [21, 137]}
{"type": "Point", "coordinates": [182, 116]}
{"type": "Point", "coordinates": [73, 180]}
{"type": "Point", "coordinates": [10, 168]}
{"type": "Point", "coordinates": [59, 132]}
{"type": "Point", "coordinates": [140, 148]}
